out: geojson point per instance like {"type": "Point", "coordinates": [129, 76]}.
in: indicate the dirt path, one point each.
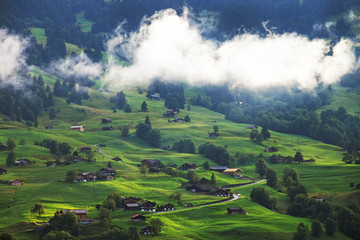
{"type": "Point", "coordinates": [100, 151]}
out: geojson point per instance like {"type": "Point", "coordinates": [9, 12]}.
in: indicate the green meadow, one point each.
{"type": "Point", "coordinates": [328, 176]}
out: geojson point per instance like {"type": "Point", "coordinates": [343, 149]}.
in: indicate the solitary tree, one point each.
{"type": "Point", "coordinates": [71, 175]}
{"type": "Point", "coordinates": [187, 118]}
{"type": "Point", "coordinates": [147, 120]}
{"type": "Point", "coordinates": [127, 108]}
{"type": "Point", "coordinates": [206, 165]}
{"type": "Point", "coordinates": [89, 155]}
{"type": "Point", "coordinates": [265, 132]}
{"type": "Point", "coordinates": [109, 204]}
{"type": "Point", "coordinates": [156, 224]}
{"type": "Point", "coordinates": [216, 128]}
{"type": "Point", "coordinates": [153, 137]}
{"type": "Point", "coordinates": [109, 165]}
{"type": "Point", "coordinates": [38, 208]}
{"type": "Point", "coordinates": [213, 179]}
{"type": "Point", "coordinates": [52, 113]}
{"type": "Point", "coordinates": [142, 129]}
{"type": "Point", "coordinates": [10, 144]}
{"type": "Point", "coordinates": [105, 217]}
{"type": "Point", "coordinates": [144, 107]}
{"type": "Point", "coordinates": [298, 157]}
{"type": "Point", "coordinates": [10, 160]}
{"type": "Point", "coordinates": [260, 167]}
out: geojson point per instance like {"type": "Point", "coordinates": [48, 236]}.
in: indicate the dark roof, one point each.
{"type": "Point", "coordinates": [131, 205]}
{"type": "Point", "coordinates": [203, 187]}
{"type": "Point", "coordinates": [235, 209]}
{"type": "Point", "coordinates": [15, 180]}
{"type": "Point", "coordinates": [147, 203]}
{"type": "Point", "coordinates": [151, 162]}
{"type": "Point", "coordinates": [107, 169]}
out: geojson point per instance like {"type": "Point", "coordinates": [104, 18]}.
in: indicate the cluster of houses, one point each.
{"type": "Point", "coordinates": [136, 204]}
{"type": "Point", "coordinates": [106, 174]}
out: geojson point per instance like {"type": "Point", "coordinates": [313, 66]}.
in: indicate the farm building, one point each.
{"type": "Point", "coordinates": [147, 206]}
{"type": "Point", "coordinates": [177, 120]}
{"type": "Point", "coordinates": [202, 188]}
{"type": "Point", "coordinates": [49, 127]}
{"type": "Point", "coordinates": [252, 126]}
{"type": "Point", "coordinates": [105, 172]}
{"type": "Point", "coordinates": [131, 206]}
{"type": "Point", "coordinates": [107, 128]}
{"type": "Point", "coordinates": [84, 149]}
{"type": "Point", "coordinates": [147, 230]}
{"type": "Point", "coordinates": [236, 210]}
{"type": "Point", "coordinates": [138, 218]}
{"type": "Point", "coordinates": [233, 172]}
{"type": "Point", "coordinates": [16, 182]}
{"type": "Point", "coordinates": [2, 147]}
{"type": "Point", "coordinates": [106, 120]}
{"type": "Point", "coordinates": [187, 166]}
{"type": "Point", "coordinates": [77, 128]}
{"type": "Point", "coordinates": [271, 149]}
{"type": "Point", "coordinates": [77, 159]}
{"type": "Point", "coordinates": [80, 213]}
{"type": "Point", "coordinates": [155, 97]}
{"type": "Point", "coordinates": [218, 168]}
{"type": "Point", "coordinates": [167, 207]}
{"type": "Point", "coordinates": [3, 171]}
{"type": "Point", "coordinates": [223, 192]}
{"type": "Point", "coordinates": [151, 163]}
{"type": "Point", "coordinates": [116, 159]}
{"type": "Point", "coordinates": [86, 176]}
{"type": "Point", "coordinates": [170, 113]}
{"type": "Point", "coordinates": [22, 162]}
{"type": "Point", "coordinates": [165, 147]}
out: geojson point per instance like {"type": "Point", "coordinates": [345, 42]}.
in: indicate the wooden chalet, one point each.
{"type": "Point", "coordinates": [223, 193]}
{"type": "Point", "coordinates": [80, 213]}
{"type": "Point", "coordinates": [116, 159]}
{"type": "Point", "coordinates": [110, 177]}
{"type": "Point", "coordinates": [218, 168]}
{"type": "Point", "coordinates": [2, 147]}
{"type": "Point", "coordinates": [147, 230]}
{"type": "Point", "coordinates": [106, 172]}
{"type": "Point", "coordinates": [233, 172]}
{"type": "Point", "coordinates": [252, 126]}
{"type": "Point", "coordinates": [236, 210]}
{"type": "Point", "coordinates": [3, 171]}
{"type": "Point", "coordinates": [77, 159]}
{"type": "Point", "coordinates": [22, 162]}
{"type": "Point", "coordinates": [131, 206]}
{"type": "Point", "coordinates": [138, 218]}
{"type": "Point", "coordinates": [107, 128]}
{"type": "Point", "coordinates": [170, 113]}
{"type": "Point", "coordinates": [155, 97]}
{"type": "Point", "coordinates": [188, 166]}
{"type": "Point", "coordinates": [165, 147]}
{"type": "Point", "coordinates": [130, 200]}
{"type": "Point", "coordinates": [202, 188]}
{"type": "Point", "coordinates": [271, 149]}
{"type": "Point", "coordinates": [177, 120]}
{"type": "Point", "coordinates": [151, 163]}
{"type": "Point", "coordinates": [16, 182]}
{"type": "Point", "coordinates": [147, 206]}
{"type": "Point", "coordinates": [77, 128]}
{"type": "Point", "coordinates": [84, 149]}
{"type": "Point", "coordinates": [106, 120]}
{"type": "Point", "coordinates": [85, 177]}
{"type": "Point", "coordinates": [167, 207]}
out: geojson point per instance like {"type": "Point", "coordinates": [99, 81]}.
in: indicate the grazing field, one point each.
{"type": "Point", "coordinates": [85, 24]}
{"type": "Point", "coordinates": [39, 34]}
{"type": "Point", "coordinates": [327, 176]}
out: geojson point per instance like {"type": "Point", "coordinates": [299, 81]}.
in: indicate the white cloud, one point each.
{"type": "Point", "coordinates": [12, 58]}
{"type": "Point", "coordinates": [171, 48]}
{"type": "Point", "coordinates": [78, 66]}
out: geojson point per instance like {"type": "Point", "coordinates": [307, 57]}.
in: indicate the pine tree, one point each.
{"type": "Point", "coordinates": [206, 165]}
{"type": "Point", "coordinates": [187, 118]}
{"type": "Point", "coordinates": [109, 165]}
{"type": "Point", "coordinates": [213, 179]}
{"type": "Point", "coordinates": [52, 114]}
{"type": "Point", "coordinates": [298, 157]}
{"type": "Point", "coordinates": [265, 132]}
{"type": "Point", "coordinates": [147, 120]}
{"type": "Point", "coordinates": [127, 108]}
{"type": "Point", "coordinates": [144, 107]}
{"type": "Point", "coordinates": [260, 167]}
{"type": "Point", "coordinates": [10, 160]}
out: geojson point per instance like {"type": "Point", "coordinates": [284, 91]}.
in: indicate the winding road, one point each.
{"type": "Point", "coordinates": [100, 151]}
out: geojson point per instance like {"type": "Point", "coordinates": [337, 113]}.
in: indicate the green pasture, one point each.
{"type": "Point", "coordinates": [328, 176]}
{"type": "Point", "coordinates": [85, 24]}
{"type": "Point", "coordinates": [39, 34]}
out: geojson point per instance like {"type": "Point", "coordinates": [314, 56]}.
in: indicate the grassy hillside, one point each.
{"type": "Point", "coordinates": [327, 176]}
